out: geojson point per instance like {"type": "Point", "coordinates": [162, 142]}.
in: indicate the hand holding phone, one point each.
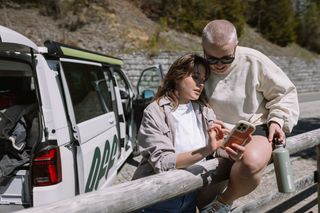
{"type": "Point", "coordinates": [240, 133]}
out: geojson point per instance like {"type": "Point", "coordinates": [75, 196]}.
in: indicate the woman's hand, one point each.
{"type": "Point", "coordinates": [216, 138]}
{"type": "Point", "coordinates": [236, 151]}
{"type": "Point", "coordinates": [216, 134]}
{"type": "Point", "coordinates": [218, 122]}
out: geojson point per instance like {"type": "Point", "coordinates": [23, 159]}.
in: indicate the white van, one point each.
{"type": "Point", "coordinates": [67, 121]}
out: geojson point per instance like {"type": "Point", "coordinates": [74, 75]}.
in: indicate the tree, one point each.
{"type": "Point", "coordinates": [308, 25]}
{"type": "Point", "coordinates": [278, 22]}
{"type": "Point", "coordinates": [192, 15]}
{"type": "Point", "coordinates": [255, 10]}
{"type": "Point", "coordinates": [233, 10]}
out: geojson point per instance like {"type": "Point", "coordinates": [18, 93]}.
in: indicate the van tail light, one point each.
{"type": "Point", "coordinates": [46, 167]}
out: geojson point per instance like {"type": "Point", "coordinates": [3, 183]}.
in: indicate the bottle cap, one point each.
{"type": "Point", "coordinates": [277, 142]}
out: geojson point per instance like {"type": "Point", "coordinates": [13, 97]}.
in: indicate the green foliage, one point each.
{"type": "Point", "coordinates": [254, 12]}
{"type": "Point", "coordinates": [192, 15]}
{"type": "Point", "coordinates": [233, 10]}
{"type": "Point", "coordinates": [308, 28]}
{"type": "Point", "coordinates": [277, 21]}
{"type": "Point", "coordinates": [280, 21]}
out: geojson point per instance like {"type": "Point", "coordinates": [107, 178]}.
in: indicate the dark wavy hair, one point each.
{"type": "Point", "coordinates": [181, 68]}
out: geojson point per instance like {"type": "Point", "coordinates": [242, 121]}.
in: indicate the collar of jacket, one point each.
{"type": "Point", "coordinates": [165, 102]}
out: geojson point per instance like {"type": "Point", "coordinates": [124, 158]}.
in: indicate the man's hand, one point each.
{"type": "Point", "coordinates": [275, 131]}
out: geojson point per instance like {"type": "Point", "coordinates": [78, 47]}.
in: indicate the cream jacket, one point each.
{"type": "Point", "coordinates": [253, 89]}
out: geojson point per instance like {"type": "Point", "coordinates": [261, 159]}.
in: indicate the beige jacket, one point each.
{"type": "Point", "coordinates": [254, 89]}
{"type": "Point", "coordinates": [156, 136]}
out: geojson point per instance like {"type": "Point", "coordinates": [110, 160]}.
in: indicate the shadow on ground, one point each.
{"type": "Point", "coordinates": [133, 162]}
{"type": "Point", "coordinates": [305, 125]}
{"type": "Point", "coordinates": [295, 200]}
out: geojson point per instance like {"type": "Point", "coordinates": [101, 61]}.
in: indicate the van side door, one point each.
{"type": "Point", "coordinates": [91, 114]}
{"type": "Point", "coordinates": [147, 87]}
{"type": "Point", "coordinates": [124, 96]}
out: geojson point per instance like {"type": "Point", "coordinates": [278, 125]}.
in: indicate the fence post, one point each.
{"type": "Point", "coordinates": [318, 176]}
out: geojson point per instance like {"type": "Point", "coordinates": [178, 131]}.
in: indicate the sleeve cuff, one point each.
{"type": "Point", "coordinates": [168, 163]}
{"type": "Point", "coordinates": [277, 120]}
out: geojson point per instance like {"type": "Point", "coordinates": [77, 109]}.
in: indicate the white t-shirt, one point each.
{"type": "Point", "coordinates": [189, 132]}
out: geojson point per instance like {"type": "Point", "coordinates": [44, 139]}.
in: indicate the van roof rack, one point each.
{"type": "Point", "coordinates": [57, 49]}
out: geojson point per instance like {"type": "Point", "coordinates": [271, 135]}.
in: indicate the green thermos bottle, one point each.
{"type": "Point", "coordinates": [282, 167]}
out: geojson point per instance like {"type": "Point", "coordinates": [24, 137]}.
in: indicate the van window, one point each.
{"type": "Point", "coordinates": [124, 93]}
{"type": "Point", "coordinates": [122, 84]}
{"type": "Point", "coordinates": [88, 90]}
{"type": "Point", "coordinates": [15, 84]}
{"type": "Point", "coordinates": [104, 92]}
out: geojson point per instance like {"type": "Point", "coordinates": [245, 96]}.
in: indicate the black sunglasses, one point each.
{"type": "Point", "coordinates": [223, 60]}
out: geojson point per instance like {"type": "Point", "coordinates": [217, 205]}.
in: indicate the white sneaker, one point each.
{"type": "Point", "coordinates": [216, 207]}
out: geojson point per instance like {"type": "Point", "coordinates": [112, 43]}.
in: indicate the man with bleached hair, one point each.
{"type": "Point", "coordinates": [244, 84]}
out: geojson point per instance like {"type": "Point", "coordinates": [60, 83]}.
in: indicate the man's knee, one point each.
{"type": "Point", "coordinates": [256, 156]}
{"type": "Point", "coordinates": [251, 164]}
{"type": "Point", "coordinates": [259, 149]}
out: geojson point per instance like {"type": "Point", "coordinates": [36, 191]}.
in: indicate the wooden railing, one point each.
{"type": "Point", "coordinates": [134, 195]}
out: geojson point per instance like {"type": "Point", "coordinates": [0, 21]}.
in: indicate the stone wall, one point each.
{"type": "Point", "coordinates": [304, 74]}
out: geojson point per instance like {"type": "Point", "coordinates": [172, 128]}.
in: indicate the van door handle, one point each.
{"type": "Point", "coordinates": [111, 120]}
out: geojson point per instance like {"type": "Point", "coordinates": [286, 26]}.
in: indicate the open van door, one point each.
{"type": "Point", "coordinates": [123, 99]}
{"type": "Point", "coordinates": [19, 93]}
{"type": "Point", "coordinates": [11, 40]}
{"type": "Point", "coordinates": [147, 87]}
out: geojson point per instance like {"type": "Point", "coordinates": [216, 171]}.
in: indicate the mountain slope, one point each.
{"type": "Point", "coordinates": [117, 27]}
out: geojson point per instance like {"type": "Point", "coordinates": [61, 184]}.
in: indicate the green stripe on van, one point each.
{"type": "Point", "coordinates": [90, 56]}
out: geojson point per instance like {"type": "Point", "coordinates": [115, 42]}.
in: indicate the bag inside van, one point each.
{"type": "Point", "coordinates": [18, 129]}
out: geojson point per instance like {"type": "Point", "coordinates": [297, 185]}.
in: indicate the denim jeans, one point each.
{"type": "Point", "coordinates": [182, 204]}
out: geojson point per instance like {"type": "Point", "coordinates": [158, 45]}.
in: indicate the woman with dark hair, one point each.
{"type": "Point", "coordinates": [178, 128]}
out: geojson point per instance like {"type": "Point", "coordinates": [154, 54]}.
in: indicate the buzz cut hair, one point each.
{"type": "Point", "coordinates": [219, 33]}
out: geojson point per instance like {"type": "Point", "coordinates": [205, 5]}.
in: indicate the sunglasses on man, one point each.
{"type": "Point", "coordinates": [223, 60]}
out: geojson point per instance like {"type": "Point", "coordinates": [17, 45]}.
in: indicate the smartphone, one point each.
{"type": "Point", "coordinates": [239, 133]}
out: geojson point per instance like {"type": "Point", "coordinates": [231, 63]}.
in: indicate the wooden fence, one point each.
{"type": "Point", "coordinates": [134, 195]}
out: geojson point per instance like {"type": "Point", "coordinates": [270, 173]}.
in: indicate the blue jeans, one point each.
{"type": "Point", "coordinates": [182, 204]}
